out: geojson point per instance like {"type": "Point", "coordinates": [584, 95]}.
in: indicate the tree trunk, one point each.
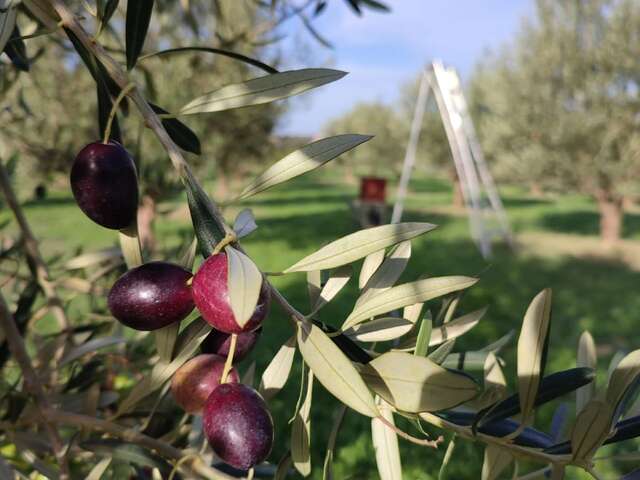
{"type": "Point", "coordinates": [458, 196]}
{"type": "Point", "coordinates": [611, 217]}
{"type": "Point", "coordinates": [146, 219]}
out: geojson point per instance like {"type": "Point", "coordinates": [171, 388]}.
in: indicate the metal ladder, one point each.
{"type": "Point", "coordinates": [487, 217]}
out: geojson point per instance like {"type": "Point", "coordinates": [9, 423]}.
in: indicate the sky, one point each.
{"type": "Point", "coordinates": [384, 51]}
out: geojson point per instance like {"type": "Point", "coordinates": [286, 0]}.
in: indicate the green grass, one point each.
{"type": "Point", "coordinates": [593, 289]}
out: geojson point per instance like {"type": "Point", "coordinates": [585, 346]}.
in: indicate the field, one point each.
{"type": "Point", "coordinates": [594, 288]}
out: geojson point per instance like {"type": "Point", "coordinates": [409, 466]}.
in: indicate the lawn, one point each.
{"type": "Point", "coordinates": [594, 288]}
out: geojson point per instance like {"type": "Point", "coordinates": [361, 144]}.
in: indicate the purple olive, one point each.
{"type": "Point", "coordinates": [211, 296]}
{"type": "Point", "coordinates": [194, 381]}
{"type": "Point", "coordinates": [238, 425]}
{"type": "Point", "coordinates": [151, 296]}
{"type": "Point", "coordinates": [218, 343]}
{"type": "Point", "coordinates": [104, 184]}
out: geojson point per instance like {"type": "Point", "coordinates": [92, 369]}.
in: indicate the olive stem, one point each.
{"type": "Point", "coordinates": [229, 238]}
{"type": "Point", "coordinates": [250, 473]}
{"type": "Point", "coordinates": [229, 362]}
{"type": "Point", "coordinates": [411, 438]}
{"type": "Point", "coordinates": [114, 108]}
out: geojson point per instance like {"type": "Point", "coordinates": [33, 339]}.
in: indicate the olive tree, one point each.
{"type": "Point", "coordinates": [558, 108]}
{"type": "Point", "coordinates": [64, 415]}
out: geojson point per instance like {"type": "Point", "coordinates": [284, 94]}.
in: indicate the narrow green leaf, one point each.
{"type": "Point", "coordinates": [531, 350]}
{"type": "Point", "coordinates": [105, 10]}
{"type": "Point", "coordinates": [442, 473]}
{"type": "Point", "coordinates": [92, 258]}
{"type": "Point", "coordinates": [380, 329]}
{"type": "Point", "coordinates": [181, 135]}
{"type": "Point", "coordinates": [407, 294]}
{"type": "Point", "coordinates": [7, 23]}
{"type": "Point", "coordinates": [586, 358]}
{"type": "Point", "coordinates": [282, 470]}
{"type": "Point", "coordinates": [127, 452]}
{"type": "Point", "coordinates": [439, 355]}
{"type": "Point", "coordinates": [333, 370]}
{"type": "Point", "coordinates": [371, 263]}
{"type": "Point", "coordinates": [207, 230]}
{"type": "Point", "coordinates": [277, 372]}
{"type": "Point", "coordinates": [424, 335]}
{"type": "Point", "coordinates": [327, 469]}
{"type": "Point", "coordinates": [388, 273]}
{"type": "Point", "coordinates": [416, 384]}
{"type": "Point", "coordinates": [336, 282]}
{"type": "Point", "coordinates": [496, 460]}
{"type": "Point", "coordinates": [261, 90]}
{"type": "Point", "coordinates": [101, 467]}
{"type": "Point", "coordinates": [385, 444]}
{"type": "Point", "coordinates": [245, 223]}
{"type": "Point", "coordinates": [314, 286]}
{"type": "Point", "coordinates": [245, 281]}
{"type": "Point", "coordinates": [217, 51]}
{"type": "Point", "coordinates": [89, 347]}
{"type": "Point", "coordinates": [299, 162]}
{"type": "Point", "coordinates": [456, 328]}
{"type": "Point", "coordinates": [16, 50]}
{"type": "Point", "coordinates": [591, 429]}
{"type": "Point", "coordinates": [137, 23]}
{"type": "Point", "coordinates": [623, 382]}
{"type": "Point", "coordinates": [360, 244]}
{"type": "Point", "coordinates": [301, 433]}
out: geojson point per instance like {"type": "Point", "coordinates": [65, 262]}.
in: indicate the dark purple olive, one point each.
{"type": "Point", "coordinates": [151, 296]}
{"type": "Point", "coordinates": [104, 183]}
{"type": "Point", "coordinates": [238, 425]}
{"type": "Point", "coordinates": [218, 343]}
{"type": "Point", "coordinates": [194, 381]}
{"type": "Point", "coordinates": [211, 296]}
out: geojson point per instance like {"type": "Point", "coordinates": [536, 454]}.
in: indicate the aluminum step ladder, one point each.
{"type": "Point", "coordinates": [487, 218]}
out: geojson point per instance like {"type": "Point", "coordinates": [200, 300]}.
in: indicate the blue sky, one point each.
{"type": "Point", "coordinates": [382, 52]}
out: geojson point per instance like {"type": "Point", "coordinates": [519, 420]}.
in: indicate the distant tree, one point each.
{"type": "Point", "coordinates": [384, 153]}
{"type": "Point", "coordinates": [558, 108]}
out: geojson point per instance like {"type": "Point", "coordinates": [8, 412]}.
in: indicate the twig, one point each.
{"type": "Point", "coordinates": [229, 362]}
{"type": "Point", "coordinates": [32, 251]}
{"type": "Point", "coordinates": [31, 383]}
{"type": "Point", "coordinates": [133, 436]}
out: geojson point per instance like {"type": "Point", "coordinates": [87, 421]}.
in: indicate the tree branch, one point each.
{"type": "Point", "coordinates": [31, 383]}
{"type": "Point", "coordinates": [32, 251]}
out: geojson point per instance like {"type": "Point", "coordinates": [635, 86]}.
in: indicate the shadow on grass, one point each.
{"type": "Point", "coordinates": [585, 222]}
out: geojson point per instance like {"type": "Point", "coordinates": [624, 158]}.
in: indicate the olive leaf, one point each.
{"type": "Point", "coordinates": [424, 337]}
{"type": "Point", "coordinates": [586, 358]}
{"type": "Point", "coordinates": [92, 258]}
{"type": "Point", "coordinates": [336, 282]}
{"type": "Point", "coordinates": [359, 244]}
{"type": "Point", "coordinates": [7, 23]}
{"type": "Point", "coordinates": [299, 162]}
{"type": "Point", "coordinates": [89, 347]}
{"type": "Point", "coordinates": [591, 429]}
{"type": "Point", "coordinates": [16, 50]}
{"type": "Point", "coordinates": [105, 10]}
{"type": "Point", "coordinates": [278, 370]}
{"type": "Point", "coordinates": [327, 468]}
{"type": "Point", "coordinates": [314, 286]}
{"type": "Point", "coordinates": [216, 51]}
{"type": "Point", "coordinates": [245, 223]}
{"type": "Point", "coordinates": [245, 281]}
{"type": "Point", "coordinates": [371, 263]}
{"type": "Point", "coordinates": [416, 384]}
{"type": "Point", "coordinates": [388, 273]}
{"type": "Point", "coordinates": [412, 312]}
{"type": "Point", "coordinates": [181, 134]}
{"type": "Point", "coordinates": [127, 452]}
{"type": "Point", "coordinates": [301, 433]}
{"type": "Point", "coordinates": [380, 329]}
{"type": "Point", "coordinates": [532, 343]}
{"type": "Point", "coordinates": [261, 90]}
{"type": "Point", "coordinates": [496, 460]}
{"type": "Point", "coordinates": [100, 467]}
{"type": "Point", "coordinates": [623, 382]}
{"type": "Point", "coordinates": [385, 444]}
{"type": "Point", "coordinates": [333, 370]}
{"type": "Point", "coordinates": [202, 210]}
{"type": "Point", "coordinates": [407, 294]}
{"type": "Point", "coordinates": [137, 23]}
{"type": "Point", "coordinates": [442, 473]}
{"type": "Point", "coordinates": [457, 327]}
